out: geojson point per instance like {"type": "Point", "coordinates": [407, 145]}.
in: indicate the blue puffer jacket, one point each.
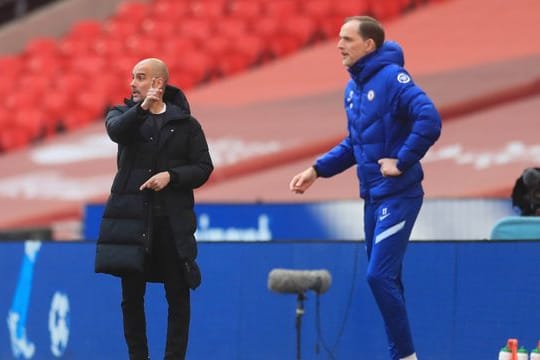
{"type": "Point", "coordinates": [388, 117]}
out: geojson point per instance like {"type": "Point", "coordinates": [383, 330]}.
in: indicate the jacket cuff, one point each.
{"type": "Point", "coordinates": [141, 111]}
{"type": "Point", "coordinates": [314, 166]}
{"type": "Point", "coordinates": [172, 175]}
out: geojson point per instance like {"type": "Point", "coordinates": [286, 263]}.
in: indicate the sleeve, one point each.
{"type": "Point", "coordinates": [122, 127]}
{"type": "Point", "coordinates": [199, 167]}
{"type": "Point", "coordinates": [338, 159]}
{"type": "Point", "coordinates": [425, 121]}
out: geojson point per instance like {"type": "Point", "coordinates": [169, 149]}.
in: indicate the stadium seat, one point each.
{"type": "Point", "coordinates": [160, 30]}
{"type": "Point", "coordinates": [75, 119]}
{"type": "Point", "coordinates": [301, 27]}
{"type": "Point", "coordinates": [142, 46]}
{"type": "Point", "coordinates": [12, 138]}
{"type": "Point", "coordinates": [384, 10]}
{"type": "Point", "coordinates": [43, 63]}
{"type": "Point", "coordinates": [70, 47]}
{"type": "Point", "coordinates": [252, 47]}
{"type": "Point", "coordinates": [41, 46]}
{"type": "Point", "coordinates": [280, 9]}
{"type": "Point", "coordinates": [90, 65]}
{"type": "Point", "coordinates": [109, 47]}
{"type": "Point", "coordinates": [55, 104]}
{"type": "Point", "coordinates": [231, 27]}
{"type": "Point", "coordinates": [196, 29]}
{"type": "Point", "coordinates": [516, 228]}
{"type": "Point", "coordinates": [32, 121]}
{"type": "Point", "coordinates": [196, 66]}
{"type": "Point", "coordinates": [246, 9]}
{"type": "Point", "coordinates": [121, 28]}
{"type": "Point", "coordinates": [208, 9]}
{"type": "Point", "coordinates": [350, 8]}
{"type": "Point", "coordinates": [169, 10]}
{"type": "Point", "coordinates": [86, 30]}
{"type": "Point", "coordinates": [4, 118]}
{"type": "Point", "coordinates": [12, 65]}
{"type": "Point", "coordinates": [136, 12]}
{"type": "Point", "coordinates": [317, 9]}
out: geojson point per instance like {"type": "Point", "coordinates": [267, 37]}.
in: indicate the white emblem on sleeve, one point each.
{"type": "Point", "coordinates": [371, 95]}
{"type": "Point", "coordinates": [403, 78]}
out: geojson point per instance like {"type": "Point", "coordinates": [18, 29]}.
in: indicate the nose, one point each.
{"type": "Point", "coordinates": [132, 83]}
{"type": "Point", "coordinates": [340, 44]}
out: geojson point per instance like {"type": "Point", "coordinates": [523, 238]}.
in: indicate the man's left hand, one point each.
{"type": "Point", "coordinates": [389, 167]}
{"type": "Point", "coordinates": [157, 182]}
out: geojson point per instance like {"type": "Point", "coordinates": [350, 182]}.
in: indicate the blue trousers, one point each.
{"type": "Point", "coordinates": [388, 225]}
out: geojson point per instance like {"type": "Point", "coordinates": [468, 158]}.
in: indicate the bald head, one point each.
{"type": "Point", "coordinates": [148, 73]}
{"type": "Point", "coordinates": [155, 67]}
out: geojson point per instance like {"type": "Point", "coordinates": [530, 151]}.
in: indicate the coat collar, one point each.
{"type": "Point", "coordinates": [177, 104]}
{"type": "Point", "coordinates": [389, 53]}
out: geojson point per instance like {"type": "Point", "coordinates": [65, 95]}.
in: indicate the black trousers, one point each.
{"type": "Point", "coordinates": [165, 261]}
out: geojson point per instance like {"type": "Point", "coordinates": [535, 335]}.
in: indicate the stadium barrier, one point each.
{"type": "Point", "coordinates": [465, 299]}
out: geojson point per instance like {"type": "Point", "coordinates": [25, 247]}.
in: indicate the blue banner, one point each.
{"type": "Point", "coordinates": [339, 220]}
{"type": "Point", "coordinates": [465, 299]}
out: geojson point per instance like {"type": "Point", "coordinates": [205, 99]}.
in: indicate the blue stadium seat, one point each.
{"type": "Point", "coordinates": [516, 228]}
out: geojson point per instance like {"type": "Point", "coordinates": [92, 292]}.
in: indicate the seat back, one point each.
{"type": "Point", "coordinates": [516, 228]}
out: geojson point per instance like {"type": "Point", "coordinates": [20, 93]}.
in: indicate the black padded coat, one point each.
{"type": "Point", "coordinates": [180, 148]}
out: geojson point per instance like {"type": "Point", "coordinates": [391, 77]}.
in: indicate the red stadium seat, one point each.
{"type": "Point", "coordinates": [231, 27]}
{"type": "Point", "coordinates": [76, 118]}
{"type": "Point", "coordinates": [86, 30]}
{"type": "Point", "coordinates": [231, 63]}
{"type": "Point", "coordinates": [178, 45]}
{"type": "Point", "coordinates": [109, 47]}
{"type": "Point", "coordinates": [90, 65]}
{"type": "Point", "coordinates": [134, 12]}
{"type": "Point", "coordinates": [208, 9]}
{"type": "Point", "coordinates": [217, 47]}
{"type": "Point", "coordinates": [42, 46]}
{"type": "Point", "coordinates": [160, 30]}
{"type": "Point", "coordinates": [198, 66]}
{"type": "Point", "coordinates": [169, 10]}
{"type": "Point", "coordinates": [246, 9]}
{"type": "Point", "coordinates": [43, 63]}
{"type": "Point", "coordinates": [74, 47]}
{"type": "Point", "coordinates": [281, 9]}
{"type": "Point", "coordinates": [92, 102]}
{"type": "Point", "coordinates": [350, 8]}
{"type": "Point", "coordinates": [5, 119]}
{"type": "Point", "coordinates": [70, 82]}
{"type": "Point", "coordinates": [251, 46]}
{"type": "Point", "coordinates": [55, 104]}
{"type": "Point", "coordinates": [197, 29]}
{"type": "Point", "coordinates": [384, 10]}
{"type": "Point", "coordinates": [301, 27]}
{"type": "Point", "coordinates": [266, 27]}
{"type": "Point", "coordinates": [142, 46]}
{"type": "Point", "coordinates": [12, 138]}
{"type": "Point", "coordinates": [32, 121]}
{"type": "Point", "coordinates": [318, 9]}
{"type": "Point", "coordinates": [122, 28]}
{"type": "Point", "coordinates": [123, 65]}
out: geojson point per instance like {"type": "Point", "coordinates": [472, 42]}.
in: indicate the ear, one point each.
{"type": "Point", "coordinates": [159, 83]}
{"type": "Point", "coordinates": [370, 45]}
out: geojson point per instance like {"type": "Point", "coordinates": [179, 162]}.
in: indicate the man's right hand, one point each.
{"type": "Point", "coordinates": [301, 182]}
{"type": "Point", "coordinates": [154, 94]}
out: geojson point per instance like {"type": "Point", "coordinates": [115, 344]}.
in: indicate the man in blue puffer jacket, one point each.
{"type": "Point", "coordinates": [391, 125]}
